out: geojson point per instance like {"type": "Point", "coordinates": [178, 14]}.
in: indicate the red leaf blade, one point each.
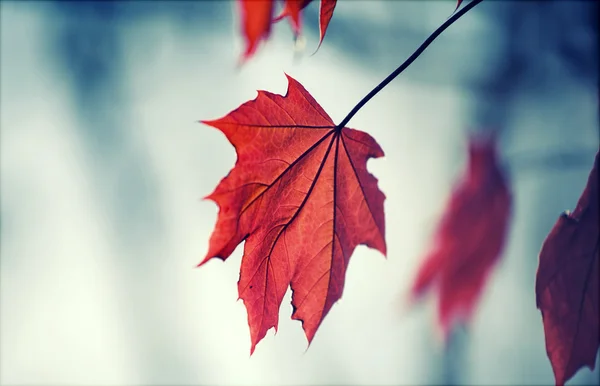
{"type": "Point", "coordinates": [301, 197]}
{"type": "Point", "coordinates": [325, 14]}
{"type": "Point", "coordinates": [567, 285]}
{"type": "Point", "coordinates": [256, 16]}
{"type": "Point", "coordinates": [469, 238]}
{"type": "Point", "coordinates": [292, 10]}
{"type": "Point", "coordinates": [257, 19]}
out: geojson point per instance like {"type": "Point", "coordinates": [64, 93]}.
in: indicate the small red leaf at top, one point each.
{"type": "Point", "coordinates": [302, 199]}
{"type": "Point", "coordinates": [325, 14]}
{"type": "Point", "coordinates": [292, 10]}
{"type": "Point", "coordinates": [256, 18]}
{"type": "Point", "coordinates": [469, 239]}
{"type": "Point", "coordinates": [293, 7]}
{"type": "Point", "coordinates": [567, 285]}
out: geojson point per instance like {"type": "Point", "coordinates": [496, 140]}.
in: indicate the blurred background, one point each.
{"type": "Point", "coordinates": [103, 165]}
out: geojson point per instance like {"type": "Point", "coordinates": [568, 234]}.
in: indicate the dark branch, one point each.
{"type": "Point", "coordinates": [408, 61]}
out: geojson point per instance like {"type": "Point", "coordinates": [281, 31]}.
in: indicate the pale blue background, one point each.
{"type": "Point", "coordinates": [103, 163]}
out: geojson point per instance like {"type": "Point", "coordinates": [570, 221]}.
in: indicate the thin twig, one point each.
{"type": "Point", "coordinates": [408, 61]}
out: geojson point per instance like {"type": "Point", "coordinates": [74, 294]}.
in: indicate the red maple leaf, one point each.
{"type": "Point", "coordinates": [469, 238]}
{"type": "Point", "coordinates": [567, 285]}
{"type": "Point", "coordinates": [302, 199]}
{"type": "Point", "coordinates": [257, 17]}
{"type": "Point", "coordinates": [293, 7]}
{"type": "Point", "coordinates": [292, 10]}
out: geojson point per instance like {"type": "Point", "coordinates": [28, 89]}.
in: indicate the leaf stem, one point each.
{"type": "Point", "coordinates": [408, 61]}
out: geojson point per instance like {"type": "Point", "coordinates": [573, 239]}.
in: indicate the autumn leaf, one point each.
{"type": "Point", "coordinates": [325, 14]}
{"type": "Point", "coordinates": [293, 7]}
{"type": "Point", "coordinates": [292, 10]}
{"type": "Point", "coordinates": [567, 285]}
{"type": "Point", "coordinates": [469, 239]}
{"type": "Point", "coordinates": [301, 198]}
{"type": "Point", "coordinates": [257, 17]}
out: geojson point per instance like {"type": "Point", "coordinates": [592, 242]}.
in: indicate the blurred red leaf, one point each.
{"type": "Point", "coordinates": [469, 239]}
{"type": "Point", "coordinates": [567, 285]}
{"type": "Point", "coordinates": [292, 10]}
{"type": "Point", "coordinates": [293, 7]}
{"type": "Point", "coordinates": [302, 199]}
{"type": "Point", "coordinates": [257, 16]}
